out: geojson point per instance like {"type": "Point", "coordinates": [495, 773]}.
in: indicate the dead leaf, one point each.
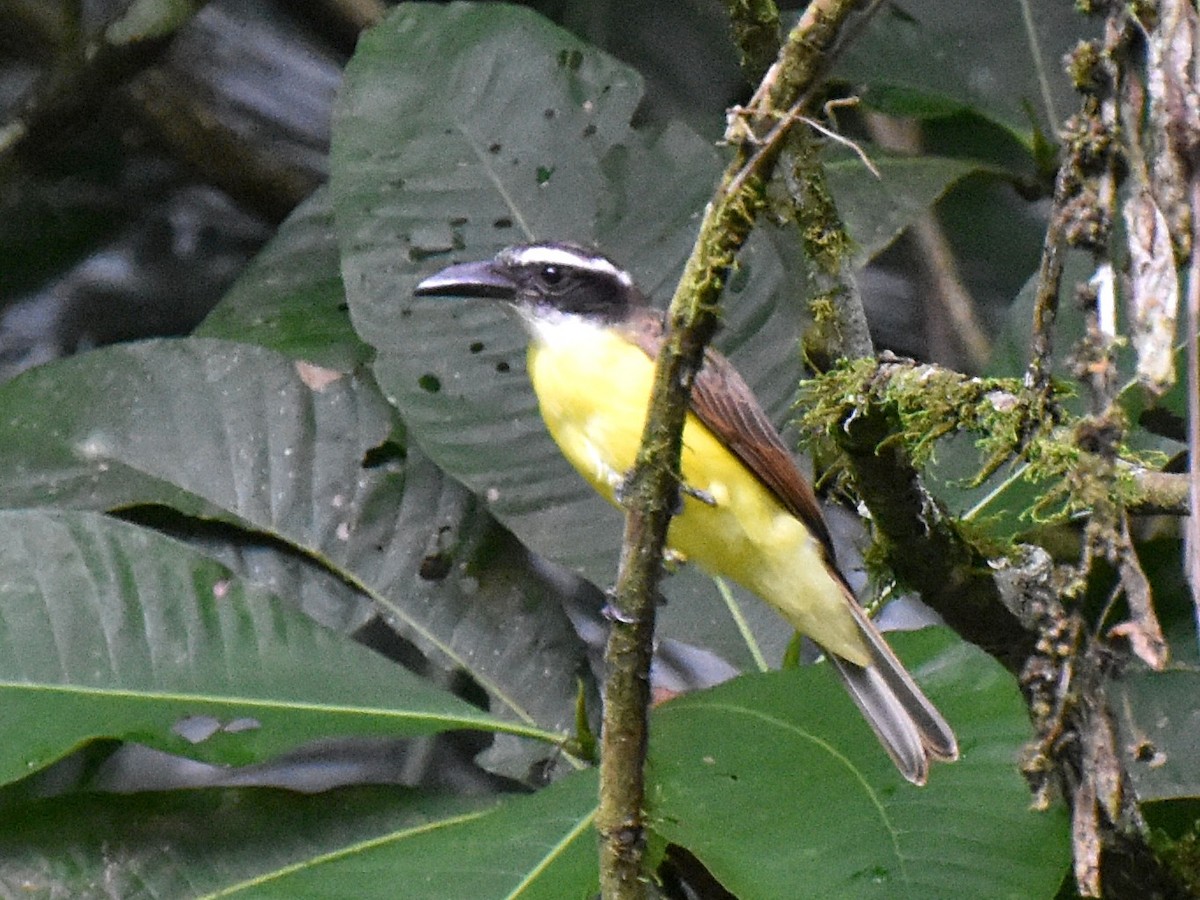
{"type": "Point", "coordinates": [1153, 292]}
{"type": "Point", "coordinates": [1142, 630]}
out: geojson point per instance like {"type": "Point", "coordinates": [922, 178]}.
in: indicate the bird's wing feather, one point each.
{"type": "Point", "coordinates": [723, 401]}
{"type": "Point", "coordinates": [908, 725]}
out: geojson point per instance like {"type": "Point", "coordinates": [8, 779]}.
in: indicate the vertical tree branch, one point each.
{"type": "Point", "coordinates": [755, 26]}
{"type": "Point", "coordinates": [1045, 308]}
{"type": "Point", "coordinates": [692, 319]}
{"type": "Point", "coordinates": [839, 322]}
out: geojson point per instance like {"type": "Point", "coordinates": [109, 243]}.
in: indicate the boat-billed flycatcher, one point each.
{"type": "Point", "coordinates": [747, 512]}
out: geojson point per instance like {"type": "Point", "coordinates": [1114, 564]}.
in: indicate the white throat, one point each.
{"type": "Point", "coordinates": [551, 327]}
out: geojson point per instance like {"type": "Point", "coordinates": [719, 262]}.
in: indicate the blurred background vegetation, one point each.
{"type": "Point", "coordinates": [193, 530]}
{"type": "Point", "coordinates": [140, 176]}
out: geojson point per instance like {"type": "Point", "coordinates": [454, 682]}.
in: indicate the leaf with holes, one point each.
{"type": "Point", "coordinates": [484, 165]}
{"type": "Point", "coordinates": [113, 631]}
{"type": "Point", "coordinates": [242, 434]}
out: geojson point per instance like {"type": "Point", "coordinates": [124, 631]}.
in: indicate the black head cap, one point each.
{"type": "Point", "coordinates": [542, 277]}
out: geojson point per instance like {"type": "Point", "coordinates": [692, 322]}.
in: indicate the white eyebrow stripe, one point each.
{"type": "Point", "coordinates": [548, 255]}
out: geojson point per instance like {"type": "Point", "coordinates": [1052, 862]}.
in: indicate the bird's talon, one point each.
{"type": "Point", "coordinates": [672, 560]}
{"type": "Point", "coordinates": [613, 613]}
{"type": "Point", "coordinates": [696, 494]}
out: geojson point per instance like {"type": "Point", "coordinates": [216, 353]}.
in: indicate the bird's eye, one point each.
{"type": "Point", "coordinates": [552, 275]}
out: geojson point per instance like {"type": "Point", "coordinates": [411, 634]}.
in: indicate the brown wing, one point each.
{"type": "Point", "coordinates": [723, 401]}
{"type": "Point", "coordinates": [908, 725]}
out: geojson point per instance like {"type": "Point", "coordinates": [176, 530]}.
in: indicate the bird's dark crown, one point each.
{"type": "Point", "coordinates": [547, 276]}
{"type": "Point", "coordinates": [571, 279]}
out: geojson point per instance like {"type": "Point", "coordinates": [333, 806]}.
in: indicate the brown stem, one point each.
{"type": "Point", "coordinates": [692, 319]}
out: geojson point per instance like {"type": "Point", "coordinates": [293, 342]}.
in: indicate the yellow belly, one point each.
{"type": "Point", "coordinates": [593, 389]}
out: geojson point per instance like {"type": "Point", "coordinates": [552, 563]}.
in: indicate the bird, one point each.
{"type": "Point", "coordinates": [745, 513]}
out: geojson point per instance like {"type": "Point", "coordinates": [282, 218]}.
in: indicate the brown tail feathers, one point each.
{"type": "Point", "coordinates": [910, 728]}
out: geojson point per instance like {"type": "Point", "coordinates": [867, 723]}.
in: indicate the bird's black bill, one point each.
{"type": "Point", "coordinates": [473, 279]}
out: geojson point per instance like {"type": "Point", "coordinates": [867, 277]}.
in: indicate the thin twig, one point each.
{"type": "Point", "coordinates": [845, 142]}
{"type": "Point", "coordinates": [1039, 65]}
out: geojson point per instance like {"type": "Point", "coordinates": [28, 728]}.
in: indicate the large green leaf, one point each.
{"type": "Point", "coordinates": [243, 434]}
{"type": "Point", "coordinates": [363, 842]}
{"type": "Point", "coordinates": [1157, 715]}
{"type": "Point", "coordinates": [359, 842]}
{"type": "Point", "coordinates": [321, 593]}
{"type": "Point", "coordinates": [877, 210]}
{"type": "Point", "coordinates": [482, 166]}
{"type": "Point", "coordinates": [290, 298]}
{"type": "Point", "coordinates": [774, 780]}
{"type": "Point", "coordinates": [930, 58]}
{"type": "Point", "coordinates": [110, 630]}
{"type": "Point", "coordinates": [541, 846]}
{"type": "Point", "coordinates": [223, 429]}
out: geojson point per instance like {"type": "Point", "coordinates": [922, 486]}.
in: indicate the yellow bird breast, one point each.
{"type": "Point", "coordinates": [593, 388]}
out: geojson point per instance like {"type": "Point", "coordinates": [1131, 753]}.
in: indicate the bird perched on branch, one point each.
{"type": "Point", "coordinates": [746, 512]}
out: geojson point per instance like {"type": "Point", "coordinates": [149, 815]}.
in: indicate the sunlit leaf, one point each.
{"type": "Point", "coordinates": [773, 775]}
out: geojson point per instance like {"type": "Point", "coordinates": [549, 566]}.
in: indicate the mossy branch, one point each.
{"type": "Point", "coordinates": [885, 417]}
{"type": "Point", "coordinates": [653, 487]}
{"type": "Point", "coordinates": [755, 27]}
